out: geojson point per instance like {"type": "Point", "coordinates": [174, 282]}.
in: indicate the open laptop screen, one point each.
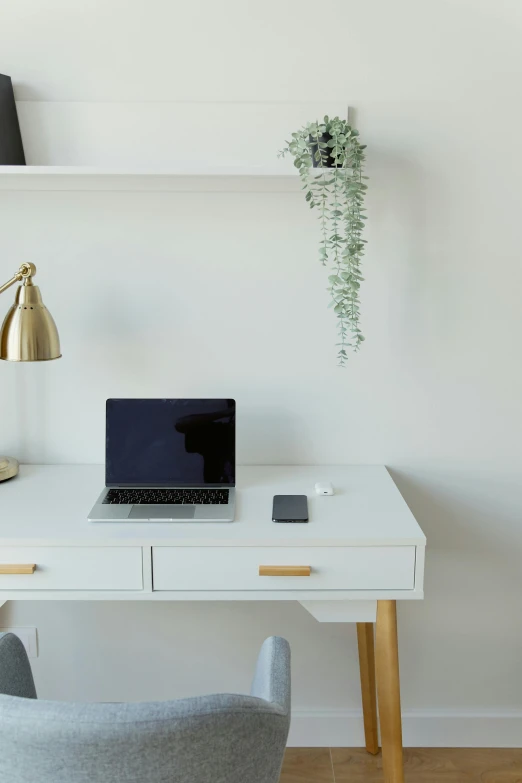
{"type": "Point", "coordinates": [170, 443]}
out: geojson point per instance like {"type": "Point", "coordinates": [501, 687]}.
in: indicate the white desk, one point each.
{"type": "Point", "coordinates": [362, 548]}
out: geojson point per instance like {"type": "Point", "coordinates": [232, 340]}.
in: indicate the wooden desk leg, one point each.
{"type": "Point", "coordinates": [369, 695]}
{"type": "Point", "coordinates": [388, 691]}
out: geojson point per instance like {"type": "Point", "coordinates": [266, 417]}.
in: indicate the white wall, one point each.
{"type": "Point", "coordinates": [175, 294]}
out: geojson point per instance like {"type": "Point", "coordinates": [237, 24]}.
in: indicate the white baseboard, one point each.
{"type": "Point", "coordinates": [421, 728]}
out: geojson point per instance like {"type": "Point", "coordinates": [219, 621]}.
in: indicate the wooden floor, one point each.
{"type": "Point", "coordinates": [430, 765]}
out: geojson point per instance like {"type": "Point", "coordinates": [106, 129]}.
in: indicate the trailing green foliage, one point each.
{"type": "Point", "coordinates": [335, 188]}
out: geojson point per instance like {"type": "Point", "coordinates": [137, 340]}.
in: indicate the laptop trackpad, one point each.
{"type": "Point", "coordinates": [152, 512]}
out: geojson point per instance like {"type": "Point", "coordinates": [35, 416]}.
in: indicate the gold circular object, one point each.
{"type": "Point", "coordinates": [8, 468]}
{"type": "Point", "coordinates": [27, 269]}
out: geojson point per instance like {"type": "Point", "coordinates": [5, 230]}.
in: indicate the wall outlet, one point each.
{"type": "Point", "coordinates": [28, 638]}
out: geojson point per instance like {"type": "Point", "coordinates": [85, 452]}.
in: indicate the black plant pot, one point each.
{"type": "Point", "coordinates": [328, 160]}
{"type": "Point", "coordinates": [11, 149]}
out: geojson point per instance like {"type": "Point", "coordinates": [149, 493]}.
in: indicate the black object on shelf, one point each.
{"type": "Point", "coordinates": [11, 147]}
{"type": "Point", "coordinates": [327, 159]}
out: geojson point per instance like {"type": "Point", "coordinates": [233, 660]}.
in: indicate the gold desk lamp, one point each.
{"type": "Point", "coordinates": [28, 334]}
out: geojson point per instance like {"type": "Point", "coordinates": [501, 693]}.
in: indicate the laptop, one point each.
{"type": "Point", "coordinates": [168, 461]}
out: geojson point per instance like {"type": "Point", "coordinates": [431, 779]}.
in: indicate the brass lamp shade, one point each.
{"type": "Point", "coordinates": [29, 333]}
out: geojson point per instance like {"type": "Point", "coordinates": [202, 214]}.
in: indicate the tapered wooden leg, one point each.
{"type": "Point", "coordinates": [388, 691]}
{"type": "Point", "coordinates": [369, 695]}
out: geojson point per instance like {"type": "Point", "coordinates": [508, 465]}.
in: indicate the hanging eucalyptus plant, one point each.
{"type": "Point", "coordinates": [330, 161]}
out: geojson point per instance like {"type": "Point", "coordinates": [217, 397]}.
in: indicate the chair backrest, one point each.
{"type": "Point", "coordinates": [223, 738]}
{"type": "Point", "coordinates": [16, 677]}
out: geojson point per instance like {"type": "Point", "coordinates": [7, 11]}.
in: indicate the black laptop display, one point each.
{"type": "Point", "coordinates": [170, 443]}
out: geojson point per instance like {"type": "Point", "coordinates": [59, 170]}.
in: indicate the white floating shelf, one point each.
{"type": "Point", "coordinates": [179, 171]}
{"type": "Point", "coordinates": [184, 179]}
{"type": "Point", "coordinates": [212, 179]}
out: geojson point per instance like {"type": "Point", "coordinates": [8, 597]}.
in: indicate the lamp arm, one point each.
{"type": "Point", "coordinates": [25, 272]}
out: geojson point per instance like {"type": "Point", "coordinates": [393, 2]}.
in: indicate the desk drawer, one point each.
{"type": "Point", "coordinates": [71, 568]}
{"type": "Point", "coordinates": [238, 568]}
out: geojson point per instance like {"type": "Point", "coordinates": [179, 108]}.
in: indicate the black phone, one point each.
{"type": "Point", "coordinates": [290, 508]}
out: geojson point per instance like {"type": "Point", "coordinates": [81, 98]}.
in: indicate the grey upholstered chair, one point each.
{"type": "Point", "coordinates": [209, 739]}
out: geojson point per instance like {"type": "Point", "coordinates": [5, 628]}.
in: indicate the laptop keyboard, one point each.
{"type": "Point", "coordinates": [163, 496]}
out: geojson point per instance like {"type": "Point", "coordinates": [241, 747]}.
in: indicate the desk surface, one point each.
{"type": "Point", "coordinates": [48, 505]}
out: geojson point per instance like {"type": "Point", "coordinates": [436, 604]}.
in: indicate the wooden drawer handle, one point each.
{"type": "Point", "coordinates": [266, 570]}
{"type": "Point", "coordinates": [26, 568]}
